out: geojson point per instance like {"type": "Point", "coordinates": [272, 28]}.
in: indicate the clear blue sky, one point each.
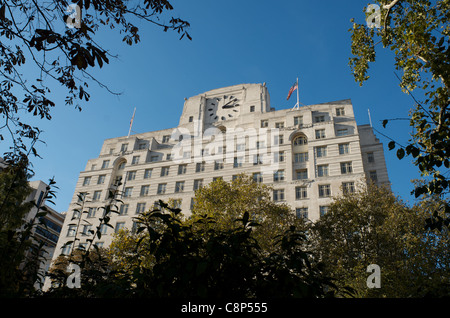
{"type": "Point", "coordinates": [234, 42]}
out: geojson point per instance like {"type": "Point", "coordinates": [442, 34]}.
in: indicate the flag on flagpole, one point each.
{"type": "Point", "coordinates": [293, 88]}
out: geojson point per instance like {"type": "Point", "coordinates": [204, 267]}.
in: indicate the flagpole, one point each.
{"type": "Point", "coordinates": [131, 122]}
{"type": "Point", "coordinates": [298, 100]}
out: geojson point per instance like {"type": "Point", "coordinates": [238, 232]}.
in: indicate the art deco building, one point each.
{"type": "Point", "coordinates": [307, 154]}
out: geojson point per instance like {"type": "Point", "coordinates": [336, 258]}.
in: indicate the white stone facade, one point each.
{"type": "Point", "coordinates": [307, 155]}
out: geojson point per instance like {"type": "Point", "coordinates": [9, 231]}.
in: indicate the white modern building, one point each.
{"type": "Point", "coordinates": [307, 154]}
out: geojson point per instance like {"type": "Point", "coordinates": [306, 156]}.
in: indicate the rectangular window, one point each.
{"type": "Point", "coordinates": [340, 111]}
{"type": "Point", "coordinates": [127, 192]}
{"type": "Point", "coordinates": [86, 181]}
{"type": "Point", "coordinates": [144, 190]}
{"type": "Point", "coordinates": [346, 167]}
{"type": "Point", "coordinates": [101, 179]}
{"type": "Point", "coordinates": [348, 187]}
{"type": "Point", "coordinates": [279, 125]}
{"type": "Point", "coordinates": [278, 195]}
{"type": "Point", "coordinates": [238, 162]}
{"type": "Point", "coordinates": [264, 123]}
{"type": "Point", "coordinates": [323, 209]}
{"type": "Point", "coordinates": [165, 139]}
{"type": "Point", "coordinates": [164, 171]}
{"type": "Point", "coordinates": [198, 183]}
{"type": "Point", "coordinates": [124, 147]}
{"type": "Point", "coordinates": [301, 193]}
{"type": "Point", "coordinates": [97, 195]}
{"type": "Point", "coordinates": [252, 109]}
{"type": "Point", "coordinates": [123, 210]}
{"type": "Point", "coordinates": [87, 229]}
{"type": "Point", "coordinates": [218, 165]}
{"type": "Point", "coordinates": [81, 196]}
{"type": "Point", "coordinates": [301, 157]}
{"type": "Point", "coordinates": [278, 140]}
{"type": "Point", "coordinates": [191, 119]}
{"type": "Point", "coordinates": [342, 132]}
{"type": "Point", "coordinates": [135, 160]}
{"type": "Point", "coordinates": [240, 147]}
{"type": "Point", "coordinates": [200, 166]}
{"type": "Point", "coordinates": [140, 207]}
{"type": "Point", "coordinates": [319, 119]}
{"type": "Point", "coordinates": [298, 120]}
{"type": "Point", "coordinates": [162, 188]}
{"type": "Point", "coordinates": [301, 174]}
{"type": "Point", "coordinates": [179, 186]}
{"type": "Point", "coordinates": [148, 173]}
{"type": "Point", "coordinates": [154, 158]}
{"type": "Point", "coordinates": [105, 164]}
{"type": "Point", "coordinates": [321, 151]}
{"type": "Point", "coordinates": [121, 166]}
{"type": "Point", "coordinates": [279, 156]}
{"type": "Point", "coordinates": [257, 177]}
{"type": "Point", "coordinates": [343, 149]}
{"type": "Point", "coordinates": [103, 229]}
{"type": "Point", "coordinates": [324, 191]}
{"type": "Point", "coordinates": [168, 156]}
{"type": "Point", "coordinates": [370, 157]}
{"type": "Point", "coordinates": [257, 159]}
{"type": "Point", "coordinates": [320, 133]}
{"type": "Point", "coordinates": [373, 175]}
{"type": "Point", "coordinates": [119, 226]}
{"type": "Point", "coordinates": [278, 176]}
{"type": "Point", "coordinates": [131, 175]}
{"type": "Point", "coordinates": [142, 146]}
{"type": "Point", "coordinates": [301, 213]}
{"type": "Point", "coordinates": [322, 170]}
{"type": "Point", "coordinates": [91, 212]}
{"type": "Point", "coordinates": [71, 230]}
{"type": "Point", "coordinates": [182, 169]}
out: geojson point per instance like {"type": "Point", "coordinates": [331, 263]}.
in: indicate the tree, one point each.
{"type": "Point", "coordinates": [375, 227]}
{"type": "Point", "coordinates": [227, 201]}
{"type": "Point", "coordinates": [61, 49]}
{"type": "Point", "coordinates": [418, 33]}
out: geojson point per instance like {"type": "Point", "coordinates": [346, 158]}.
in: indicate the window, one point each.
{"type": "Point", "coordinates": [165, 139]}
{"type": "Point", "coordinates": [76, 215]}
{"type": "Point", "coordinates": [148, 173]}
{"type": "Point", "coordinates": [301, 157]}
{"type": "Point", "coordinates": [373, 175]}
{"type": "Point", "coordinates": [140, 207]}
{"type": "Point", "coordinates": [298, 120]}
{"type": "Point", "coordinates": [301, 174]}
{"type": "Point", "coordinates": [182, 169]}
{"type": "Point", "coordinates": [119, 226]}
{"type": "Point", "coordinates": [340, 111]}
{"type": "Point", "coordinates": [370, 157]}
{"type": "Point", "coordinates": [162, 188]}
{"type": "Point", "coordinates": [257, 159]}
{"type": "Point", "coordinates": [164, 171]}
{"type": "Point", "coordinates": [301, 193]}
{"type": "Point", "coordinates": [200, 166]}
{"type": "Point", "coordinates": [348, 187]}
{"type": "Point", "coordinates": [346, 167]}
{"type": "Point", "coordinates": [101, 179]}
{"type": "Point", "coordinates": [127, 192]}
{"type": "Point", "coordinates": [279, 156]}
{"type": "Point", "coordinates": [87, 229]}
{"type": "Point", "coordinates": [191, 119]}
{"type": "Point", "coordinates": [86, 181]}
{"type": "Point", "coordinates": [240, 147]}
{"type": "Point", "coordinates": [279, 125]}
{"type": "Point", "coordinates": [131, 175]}
{"type": "Point", "coordinates": [343, 149]}
{"type": "Point", "coordinates": [257, 177]}
{"type": "Point", "coordinates": [321, 151]}
{"type": "Point", "coordinates": [260, 144]}
{"type": "Point", "coordinates": [124, 147]}
{"type": "Point", "coordinates": [103, 229]}
{"type": "Point", "coordinates": [71, 230]}
{"type": "Point", "coordinates": [252, 109]}
{"type": "Point", "coordinates": [301, 213]}
{"type": "Point", "coordinates": [67, 249]}
{"type": "Point", "coordinates": [135, 160]}
{"type": "Point", "coordinates": [238, 162]}
{"type": "Point", "coordinates": [278, 176]}
{"type": "Point", "coordinates": [142, 146]}
{"type": "Point", "coordinates": [320, 133]}
{"type": "Point", "coordinates": [154, 158]}
{"type": "Point", "coordinates": [319, 119]}
{"type": "Point", "coordinates": [198, 183]}
{"type": "Point", "coordinates": [264, 123]}
{"type": "Point", "coordinates": [324, 190]}
{"type": "Point", "coordinates": [322, 170]}
{"type": "Point", "coordinates": [323, 209]}
{"type": "Point", "coordinates": [105, 164]}
{"type": "Point", "coordinates": [91, 212]}
{"type": "Point", "coordinates": [81, 197]}
{"type": "Point", "coordinates": [300, 140]}
{"type": "Point", "coordinates": [179, 186]}
{"type": "Point", "coordinates": [144, 190]}
{"type": "Point", "coordinates": [278, 195]}
{"type": "Point", "coordinates": [97, 195]}
{"type": "Point", "coordinates": [278, 140]}
{"type": "Point", "coordinates": [169, 156]}
{"type": "Point", "coordinates": [218, 165]}
{"type": "Point", "coordinates": [121, 165]}
{"type": "Point", "coordinates": [123, 210]}
{"type": "Point", "coordinates": [342, 132]}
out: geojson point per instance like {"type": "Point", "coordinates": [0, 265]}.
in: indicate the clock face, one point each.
{"type": "Point", "coordinates": [223, 107]}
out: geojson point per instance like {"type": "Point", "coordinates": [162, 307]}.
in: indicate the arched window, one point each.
{"type": "Point", "coordinates": [300, 140]}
